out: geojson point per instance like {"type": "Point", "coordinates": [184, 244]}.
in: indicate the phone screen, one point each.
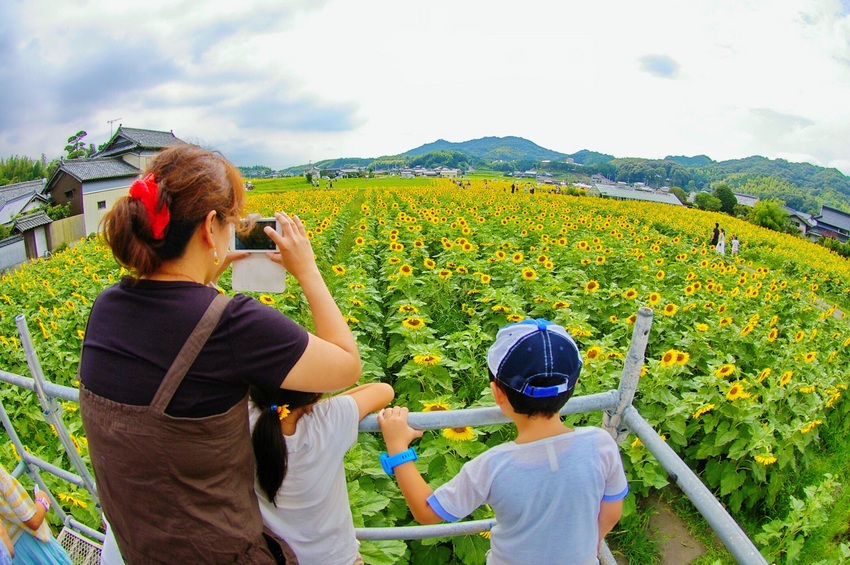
{"type": "Point", "coordinates": [256, 239]}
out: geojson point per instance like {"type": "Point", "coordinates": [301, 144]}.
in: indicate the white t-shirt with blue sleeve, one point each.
{"type": "Point", "coordinates": [546, 495]}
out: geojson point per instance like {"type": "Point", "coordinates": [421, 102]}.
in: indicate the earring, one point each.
{"type": "Point", "coordinates": [215, 257]}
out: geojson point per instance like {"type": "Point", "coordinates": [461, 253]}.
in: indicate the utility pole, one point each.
{"type": "Point", "coordinates": [110, 122]}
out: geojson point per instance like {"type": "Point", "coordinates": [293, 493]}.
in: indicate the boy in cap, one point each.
{"type": "Point", "coordinates": [556, 491]}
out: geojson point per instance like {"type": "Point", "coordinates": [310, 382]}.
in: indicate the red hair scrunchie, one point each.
{"type": "Point", "coordinates": [147, 190]}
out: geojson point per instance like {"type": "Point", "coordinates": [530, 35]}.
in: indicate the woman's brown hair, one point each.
{"type": "Point", "coordinates": [192, 182]}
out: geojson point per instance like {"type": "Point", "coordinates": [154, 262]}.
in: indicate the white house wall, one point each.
{"type": "Point", "coordinates": [90, 200]}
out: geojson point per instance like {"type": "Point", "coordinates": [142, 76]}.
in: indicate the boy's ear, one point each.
{"type": "Point", "coordinates": [498, 394]}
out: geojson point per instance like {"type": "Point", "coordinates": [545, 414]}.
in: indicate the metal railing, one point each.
{"type": "Point", "coordinates": [619, 418]}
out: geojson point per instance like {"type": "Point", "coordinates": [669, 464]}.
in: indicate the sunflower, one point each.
{"type": "Point", "coordinates": [798, 337]}
{"type": "Point", "coordinates": [427, 360]}
{"type": "Point", "coordinates": [701, 327]}
{"type": "Point", "coordinates": [444, 274]}
{"type": "Point", "coordinates": [764, 374]}
{"type": "Point", "coordinates": [500, 255]}
{"type": "Point", "coordinates": [613, 318]}
{"type": "Point", "coordinates": [746, 330]}
{"type": "Point", "coordinates": [591, 286]}
{"type": "Point", "coordinates": [725, 370]}
{"type": "Point", "coordinates": [670, 309]}
{"type": "Point", "coordinates": [765, 459]}
{"type": "Point", "coordinates": [637, 443]}
{"type": "Point", "coordinates": [682, 357]}
{"type": "Point", "coordinates": [772, 334]}
{"type": "Point", "coordinates": [413, 323]}
{"type": "Point", "coordinates": [355, 302]}
{"type": "Point", "coordinates": [689, 290]}
{"type": "Point", "coordinates": [660, 275]}
{"type": "Point", "coordinates": [810, 426]}
{"type": "Point", "coordinates": [500, 309]}
{"type": "Point", "coordinates": [558, 304]}
{"type": "Point", "coordinates": [408, 309]}
{"type": "Point", "coordinates": [266, 299]}
{"type": "Point", "coordinates": [434, 406]}
{"type": "Point", "coordinates": [485, 278]}
{"type": "Point", "coordinates": [737, 391]}
{"type": "Point", "coordinates": [459, 434]}
{"type": "Point", "coordinates": [808, 389]}
{"type": "Point", "coordinates": [630, 294]}
{"type": "Point", "coordinates": [785, 378]}
{"type": "Point", "coordinates": [669, 358]}
{"type": "Point", "coordinates": [593, 353]}
{"type": "Point", "coordinates": [528, 274]}
{"type": "Point", "coordinates": [350, 320]}
{"type": "Point", "coordinates": [513, 318]}
{"type": "Point", "coordinates": [654, 298]}
{"type": "Point", "coordinates": [810, 356]}
{"type": "Point", "coordinates": [517, 257]}
{"type": "Point", "coordinates": [338, 270]}
{"type": "Point", "coordinates": [405, 270]}
{"type": "Point", "coordinates": [703, 410]}
{"type": "Point", "coordinates": [725, 321]}
{"type": "Point", "coordinates": [485, 534]}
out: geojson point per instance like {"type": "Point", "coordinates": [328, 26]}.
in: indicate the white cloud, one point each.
{"type": "Point", "coordinates": [281, 83]}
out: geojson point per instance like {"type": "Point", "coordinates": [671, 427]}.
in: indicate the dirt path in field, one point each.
{"type": "Point", "coordinates": [676, 545]}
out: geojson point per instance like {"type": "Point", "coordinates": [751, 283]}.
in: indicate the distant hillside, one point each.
{"type": "Point", "coordinates": [802, 186]}
{"type": "Point", "coordinates": [492, 149]}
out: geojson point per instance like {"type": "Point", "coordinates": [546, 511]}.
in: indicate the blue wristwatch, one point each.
{"type": "Point", "coordinates": [390, 462]}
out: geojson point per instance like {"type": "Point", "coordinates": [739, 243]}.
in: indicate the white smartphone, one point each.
{"type": "Point", "coordinates": [256, 240]}
{"type": "Point", "coordinates": [257, 273]}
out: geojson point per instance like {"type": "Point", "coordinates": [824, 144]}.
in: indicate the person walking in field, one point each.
{"type": "Point", "coordinates": [721, 243]}
{"type": "Point", "coordinates": [299, 445]}
{"type": "Point", "coordinates": [556, 491]}
{"type": "Point", "coordinates": [715, 234]}
{"type": "Point", "coordinates": [735, 245]}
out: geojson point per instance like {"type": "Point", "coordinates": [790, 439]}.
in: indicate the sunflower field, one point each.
{"type": "Point", "coordinates": [745, 367]}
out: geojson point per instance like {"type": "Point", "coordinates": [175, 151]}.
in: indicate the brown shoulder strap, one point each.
{"type": "Point", "coordinates": [188, 353]}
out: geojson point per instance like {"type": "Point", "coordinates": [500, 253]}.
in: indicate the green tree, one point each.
{"type": "Point", "coordinates": [77, 147]}
{"type": "Point", "coordinates": [769, 214]}
{"type": "Point", "coordinates": [727, 199]}
{"type": "Point", "coordinates": [705, 201]}
{"type": "Point", "coordinates": [680, 194]}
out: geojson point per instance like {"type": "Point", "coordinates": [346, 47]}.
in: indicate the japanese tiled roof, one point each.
{"type": "Point", "coordinates": [126, 140]}
{"type": "Point", "coordinates": [93, 169]}
{"type": "Point", "coordinates": [12, 192]}
{"type": "Point", "coordinates": [31, 221]}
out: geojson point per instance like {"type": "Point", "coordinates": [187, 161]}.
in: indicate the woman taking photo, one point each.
{"type": "Point", "coordinates": [167, 361]}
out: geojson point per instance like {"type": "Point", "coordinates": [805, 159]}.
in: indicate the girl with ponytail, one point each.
{"type": "Point", "coordinates": [299, 445]}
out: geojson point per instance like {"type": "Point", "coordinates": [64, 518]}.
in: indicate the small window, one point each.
{"type": "Point", "coordinates": [101, 205]}
{"type": "Point", "coordinates": [69, 194]}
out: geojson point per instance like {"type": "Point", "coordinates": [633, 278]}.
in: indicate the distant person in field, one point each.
{"type": "Point", "coordinates": [721, 242]}
{"type": "Point", "coordinates": [556, 491]}
{"type": "Point", "coordinates": [167, 361]}
{"type": "Point", "coordinates": [299, 445]}
{"type": "Point", "coordinates": [735, 245]}
{"type": "Point", "coordinates": [715, 235]}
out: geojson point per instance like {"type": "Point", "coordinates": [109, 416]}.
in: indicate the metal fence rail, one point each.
{"type": "Point", "coordinates": [619, 418]}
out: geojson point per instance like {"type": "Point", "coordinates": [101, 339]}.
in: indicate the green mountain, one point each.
{"type": "Point", "coordinates": [492, 149]}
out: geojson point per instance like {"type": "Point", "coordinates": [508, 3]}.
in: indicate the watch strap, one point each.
{"type": "Point", "coordinates": [390, 462]}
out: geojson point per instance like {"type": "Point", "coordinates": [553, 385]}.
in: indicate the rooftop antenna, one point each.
{"type": "Point", "coordinates": [110, 122]}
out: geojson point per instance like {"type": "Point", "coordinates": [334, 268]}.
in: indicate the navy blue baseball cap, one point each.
{"type": "Point", "coordinates": [530, 350]}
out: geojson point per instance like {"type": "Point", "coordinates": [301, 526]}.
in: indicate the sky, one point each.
{"type": "Point", "coordinates": [287, 82]}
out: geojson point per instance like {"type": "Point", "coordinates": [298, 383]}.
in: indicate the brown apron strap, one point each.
{"type": "Point", "coordinates": [188, 353]}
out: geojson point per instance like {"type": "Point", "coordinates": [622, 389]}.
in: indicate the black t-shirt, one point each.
{"type": "Point", "coordinates": [135, 331]}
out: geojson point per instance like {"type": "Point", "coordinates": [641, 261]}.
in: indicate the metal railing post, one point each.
{"type": "Point", "coordinates": [612, 420]}
{"type": "Point", "coordinates": [52, 410]}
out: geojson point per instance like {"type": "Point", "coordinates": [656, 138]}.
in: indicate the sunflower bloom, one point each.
{"type": "Point", "coordinates": [434, 406]}
{"type": "Point", "coordinates": [429, 263]}
{"type": "Point", "coordinates": [798, 337]}
{"type": "Point", "coordinates": [765, 459]}
{"type": "Point", "coordinates": [413, 323]}
{"type": "Point", "coordinates": [785, 378]}
{"type": "Point", "coordinates": [763, 375]}
{"type": "Point", "coordinates": [810, 426]}
{"type": "Point", "coordinates": [772, 335]}
{"type": "Point", "coordinates": [682, 357]}
{"type": "Point", "coordinates": [427, 360]}
{"type": "Point", "coordinates": [338, 270]}
{"type": "Point", "coordinates": [517, 257]}
{"type": "Point", "coordinates": [703, 410]}
{"type": "Point", "coordinates": [459, 434]}
{"type": "Point", "coordinates": [654, 298]}
{"type": "Point", "coordinates": [669, 358]}
{"type": "Point", "coordinates": [725, 370]}
{"type": "Point", "coordinates": [408, 309]}
{"type": "Point", "coordinates": [266, 299]}
{"type": "Point", "coordinates": [591, 286]}
{"type": "Point", "coordinates": [444, 274]}
{"type": "Point", "coordinates": [405, 270]}
{"type": "Point", "coordinates": [593, 353]}
{"type": "Point", "coordinates": [500, 309]}
{"type": "Point", "coordinates": [701, 327]}
{"type": "Point", "coordinates": [810, 356]}
{"type": "Point", "coordinates": [630, 294]}
{"type": "Point", "coordinates": [670, 309]}
{"type": "Point", "coordinates": [529, 274]}
{"type": "Point", "coordinates": [558, 304]}
{"type": "Point", "coordinates": [737, 391]}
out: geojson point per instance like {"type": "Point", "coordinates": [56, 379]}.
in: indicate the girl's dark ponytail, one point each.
{"type": "Point", "coordinates": [267, 438]}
